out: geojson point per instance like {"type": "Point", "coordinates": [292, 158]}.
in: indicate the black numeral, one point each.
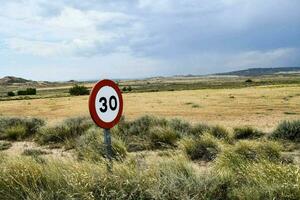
{"type": "Point", "coordinates": [113, 104]}
{"type": "Point", "coordinates": [103, 102]}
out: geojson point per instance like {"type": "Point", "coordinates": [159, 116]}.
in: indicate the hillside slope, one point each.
{"type": "Point", "coordinates": [262, 71]}
{"type": "Point", "coordinates": [7, 80]}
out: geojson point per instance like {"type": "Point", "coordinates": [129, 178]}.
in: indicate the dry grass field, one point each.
{"type": "Point", "coordinates": [262, 107]}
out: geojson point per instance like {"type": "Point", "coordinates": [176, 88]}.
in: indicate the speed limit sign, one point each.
{"type": "Point", "coordinates": [106, 104]}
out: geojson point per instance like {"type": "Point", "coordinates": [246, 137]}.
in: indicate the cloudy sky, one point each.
{"type": "Point", "coordinates": [92, 39]}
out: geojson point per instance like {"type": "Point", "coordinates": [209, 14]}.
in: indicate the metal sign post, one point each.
{"type": "Point", "coordinates": [106, 107]}
{"type": "Point", "coordinates": [108, 146]}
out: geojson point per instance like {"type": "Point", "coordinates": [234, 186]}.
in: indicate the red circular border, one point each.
{"type": "Point", "coordinates": [92, 104]}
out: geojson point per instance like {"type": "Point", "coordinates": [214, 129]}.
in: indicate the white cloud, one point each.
{"type": "Point", "coordinates": [71, 32]}
{"type": "Point", "coordinates": [144, 37]}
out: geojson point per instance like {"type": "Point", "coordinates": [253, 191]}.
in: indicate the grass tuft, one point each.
{"type": "Point", "coordinates": [19, 128]}
{"type": "Point", "coordinates": [4, 145]}
{"type": "Point", "coordinates": [205, 147]}
{"type": "Point", "coordinates": [288, 130]}
{"type": "Point", "coordinates": [90, 146]}
{"type": "Point", "coordinates": [162, 137]}
{"type": "Point", "coordinates": [67, 131]}
{"type": "Point", "coordinates": [34, 152]}
{"type": "Point", "coordinates": [247, 133]}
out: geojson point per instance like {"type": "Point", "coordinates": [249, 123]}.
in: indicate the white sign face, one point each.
{"type": "Point", "coordinates": [107, 104]}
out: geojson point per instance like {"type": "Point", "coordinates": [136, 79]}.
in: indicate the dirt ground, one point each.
{"type": "Point", "coordinates": [261, 107]}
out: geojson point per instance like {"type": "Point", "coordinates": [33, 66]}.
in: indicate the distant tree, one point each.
{"type": "Point", "coordinates": [129, 88]}
{"type": "Point", "coordinates": [248, 81]}
{"type": "Point", "coordinates": [28, 91]}
{"type": "Point", "coordinates": [31, 91]}
{"type": "Point", "coordinates": [124, 89]}
{"type": "Point", "coordinates": [78, 90]}
{"type": "Point", "coordinates": [11, 94]}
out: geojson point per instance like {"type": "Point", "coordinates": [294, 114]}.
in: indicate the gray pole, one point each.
{"type": "Point", "coordinates": [107, 142]}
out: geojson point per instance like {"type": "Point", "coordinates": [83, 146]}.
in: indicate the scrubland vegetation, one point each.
{"type": "Point", "coordinates": [153, 158]}
{"type": "Point", "coordinates": [78, 90]}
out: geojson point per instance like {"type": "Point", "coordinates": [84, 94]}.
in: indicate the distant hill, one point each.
{"type": "Point", "coordinates": [262, 71]}
{"type": "Point", "coordinates": [7, 80]}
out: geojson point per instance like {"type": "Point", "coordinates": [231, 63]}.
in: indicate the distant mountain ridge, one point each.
{"type": "Point", "coordinates": [261, 71]}
{"type": "Point", "coordinates": [7, 80]}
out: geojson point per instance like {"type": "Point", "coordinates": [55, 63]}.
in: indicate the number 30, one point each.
{"type": "Point", "coordinates": [112, 103]}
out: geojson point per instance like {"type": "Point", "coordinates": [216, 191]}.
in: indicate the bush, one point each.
{"type": "Point", "coordinates": [34, 152]}
{"type": "Point", "coordinates": [172, 178]}
{"type": "Point", "coordinates": [136, 134]}
{"type": "Point", "coordinates": [165, 178]}
{"type": "Point", "coordinates": [11, 94]}
{"type": "Point", "coordinates": [182, 128]}
{"type": "Point", "coordinates": [4, 145]}
{"type": "Point", "coordinates": [220, 133]}
{"type": "Point", "coordinates": [15, 132]}
{"type": "Point", "coordinates": [253, 150]}
{"type": "Point", "coordinates": [78, 90]}
{"type": "Point", "coordinates": [67, 130]}
{"type": "Point", "coordinates": [31, 91]}
{"type": "Point", "coordinates": [199, 129]}
{"type": "Point", "coordinates": [247, 133]}
{"type": "Point", "coordinates": [261, 180]}
{"type": "Point", "coordinates": [19, 128]}
{"type": "Point", "coordinates": [163, 137]}
{"type": "Point", "coordinates": [53, 134]}
{"type": "Point", "coordinates": [248, 152]}
{"type": "Point", "coordinates": [288, 130]}
{"type": "Point", "coordinates": [125, 89]}
{"type": "Point", "coordinates": [90, 146]}
{"type": "Point", "coordinates": [204, 148]}
{"type": "Point", "coordinates": [28, 91]}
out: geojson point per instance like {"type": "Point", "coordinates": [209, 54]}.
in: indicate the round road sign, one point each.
{"type": "Point", "coordinates": [106, 104]}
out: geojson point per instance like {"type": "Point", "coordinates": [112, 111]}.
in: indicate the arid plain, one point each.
{"type": "Point", "coordinates": [259, 106]}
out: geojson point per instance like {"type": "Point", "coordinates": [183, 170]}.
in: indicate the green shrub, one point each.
{"type": "Point", "coordinates": [136, 134]}
{"type": "Point", "coordinates": [253, 170]}
{"type": "Point", "coordinates": [288, 130]}
{"type": "Point", "coordinates": [171, 179]}
{"type": "Point", "coordinates": [253, 150]}
{"type": "Point", "coordinates": [4, 145]}
{"type": "Point", "coordinates": [15, 132]}
{"type": "Point", "coordinates": [204, 148]}
{"type": "Point", "coordinates": [199, 129]}
{"type": "Point", "coordinates": [125, 89]}
{"type": "Point", "coordinates": [11, 94]}
{"type": "Point", "coordinates": [168, 178]}
{"type": "Point", "coordinates": [247, 133]}
{"type": "Point", "coordinates": [90, 146]}
{"type": "Point", "coordinates": [53, 134]}
{"type": "Point", "coordinates": [78, 90]}
{"type": "Point", "coordinates": [262, 180]}
{"type": "Point", "coordinates": [220, 133]}
{"type": "Point", "coordinates": [248, 152]}
{"type": "Point", "coordinates": [138, 127]}
{"type": "Point", "coordinates": [19, 128]}
{"type": "Point", "coordinates": [67, 130]}
{"type": "Point", "coordinates": [31, 91]}
{"type": "Point", "coordinates": [34, 152]}
{"type": "Point", "coordinates": [181, 127]}
{"type": "Point", "coordinates": [28, 91]}
{"type": "Point", "coordinates": [162, 137]}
